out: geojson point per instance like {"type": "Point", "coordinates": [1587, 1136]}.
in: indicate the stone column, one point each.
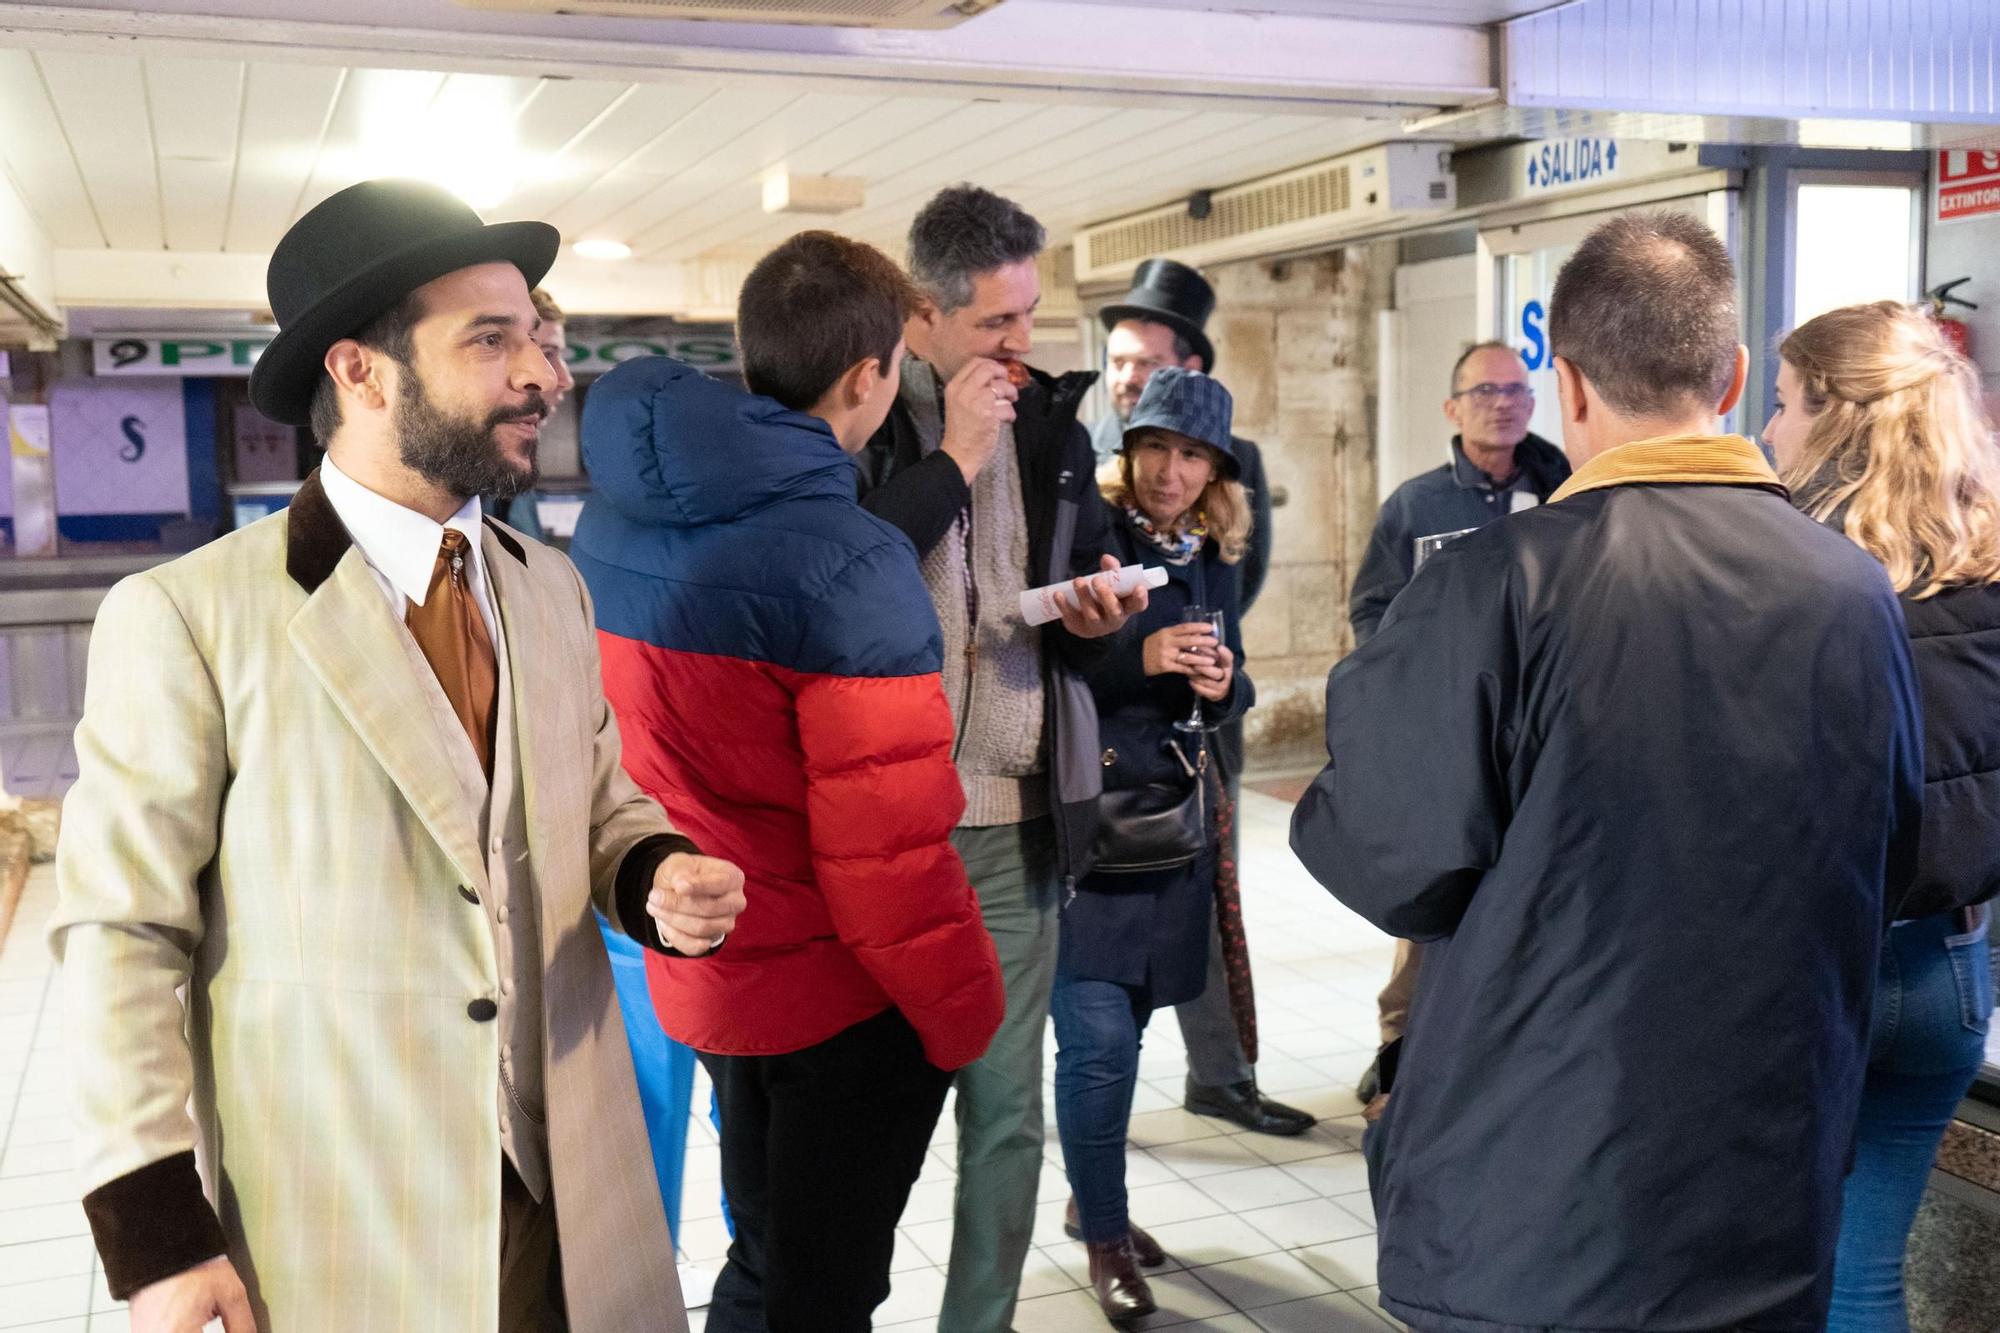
{"type": "Point", "coordinates": [1295, 343]}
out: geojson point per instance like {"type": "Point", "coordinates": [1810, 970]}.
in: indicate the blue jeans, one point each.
{"type": "Point", "coordinates": [1098, 1026]}
{"type": "Point", "coordinates": [1933, 1002]}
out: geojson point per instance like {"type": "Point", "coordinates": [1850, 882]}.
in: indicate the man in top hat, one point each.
{"type": "Point", "coordinates": [1161, 322]}
{"type": "Point", "coordinates": [347, 778]}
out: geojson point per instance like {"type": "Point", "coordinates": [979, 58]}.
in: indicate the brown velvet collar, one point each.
{"type": "Point", "coordinates": [1700, 460]}
{"type": "Point", "coordinates": [316, 538]}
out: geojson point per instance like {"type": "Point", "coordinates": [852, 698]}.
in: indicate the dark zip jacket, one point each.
{"type": "Point", "coordinates": [1065, 516]}
{"type": "Point", "coordinates": [1644, 766]}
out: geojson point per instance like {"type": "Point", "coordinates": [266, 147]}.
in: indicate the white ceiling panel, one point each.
{"type": "Point", "coordinates": [970, 123]}
{"type": "Point", "coordinates": [719, 217]}
{"type": "Point", "coordinates": [625, 125]}
{"type": "Point", "coordinates": [37, 154]}
{"type": "Point", "coordinates": [102, 102]}
{"type": "Point", "coordinates": [737, 163]}
{"type": "Point", "coordinates": [135, 150]}
{"type": "Point", "coordinates": [372, 128]}
{"type": "Point", "coordinates": [719, 115]}
{"type": "Point", "coordinates": [287, 110]}
{"type": "Point", "coordinates": [197, 111]}
{"type": "Point", "coordinates": [562, 109]}
{"type": "Point", "coordinates": [1055, 133]}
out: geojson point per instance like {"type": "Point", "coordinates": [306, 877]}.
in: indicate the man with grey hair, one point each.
{"type": "Point", "coordinates": [983, 465]}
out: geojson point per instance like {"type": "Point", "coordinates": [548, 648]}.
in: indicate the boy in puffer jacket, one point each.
{"type": "Point", "coordinates": [773, 660]}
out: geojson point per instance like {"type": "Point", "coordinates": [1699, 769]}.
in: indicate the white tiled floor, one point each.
{"type": "Point", "coordinates": [1263, 1233]}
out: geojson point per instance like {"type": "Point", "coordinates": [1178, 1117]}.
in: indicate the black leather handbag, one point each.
{"type": "Point", "coordinates": [1158, 825]}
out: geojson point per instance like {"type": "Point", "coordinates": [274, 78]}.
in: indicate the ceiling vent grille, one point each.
{"type": "Point", "coordinates": [830, 13]}
{"type": "Point", "coordinates": [1321, 202]}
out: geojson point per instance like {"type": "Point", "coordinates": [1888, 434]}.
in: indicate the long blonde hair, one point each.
{"type": "Point", "coordinates": [1899, 452]}
{"type": "Point", "coordinates": [1223, 505]}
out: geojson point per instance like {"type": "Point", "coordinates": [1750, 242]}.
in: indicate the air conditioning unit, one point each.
{"type": "Point", "coordinates": [825, 13]}
{"type": "Point", "coordinates": [1306, 206]}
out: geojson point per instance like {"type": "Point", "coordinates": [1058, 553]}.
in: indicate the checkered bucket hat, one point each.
{"type": "Point", "coordinates": [1188, 403]}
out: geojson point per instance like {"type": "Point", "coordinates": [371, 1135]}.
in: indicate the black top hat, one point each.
{"type": "Point", "coordinates": [354, 256]}
{"type": "Point", "coordinates": [1169, 293]}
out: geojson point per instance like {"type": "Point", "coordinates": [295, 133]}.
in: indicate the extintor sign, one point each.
{"type": "Point", "coordinates": [1968, 184]}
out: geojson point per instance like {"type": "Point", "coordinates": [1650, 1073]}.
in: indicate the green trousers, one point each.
{"type": "Point", "coordinates": [999, 1108]}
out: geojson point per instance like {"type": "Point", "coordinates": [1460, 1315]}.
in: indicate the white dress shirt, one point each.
{"type": "Point", "coordinates": [401, 546]}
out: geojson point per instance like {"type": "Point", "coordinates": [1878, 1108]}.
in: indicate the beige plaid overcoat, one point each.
{"type": "Point", "coordinates": [265, 815]}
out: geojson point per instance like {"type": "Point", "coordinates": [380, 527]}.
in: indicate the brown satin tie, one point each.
{"type": "Point", "coordinates": [452, 634]}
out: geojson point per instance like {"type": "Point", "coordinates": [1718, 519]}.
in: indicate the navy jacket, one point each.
{"type": "Point", "coordinates": [1449, 498]}
{"type": "Point", "coordinates": [1955, 639]}
{"type": "Point", "coordinates": [1151, 929]}
{"type": "Point", "coordinates": [1641, 765]}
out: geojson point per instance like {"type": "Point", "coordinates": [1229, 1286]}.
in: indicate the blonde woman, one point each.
{"type": "Point", "coordinates": [1879, 433]}
{"type": "Point", "coordinates": [1136, 940]}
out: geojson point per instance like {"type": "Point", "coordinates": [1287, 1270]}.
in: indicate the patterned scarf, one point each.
{"type": "Point", "coordinates": [1178, 547]}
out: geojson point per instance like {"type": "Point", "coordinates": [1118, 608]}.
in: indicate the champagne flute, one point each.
{"type": "Point", "coordinates": [1200, 615]}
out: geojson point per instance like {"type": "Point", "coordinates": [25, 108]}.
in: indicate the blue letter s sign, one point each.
{"type": "Point", "coordinates": [1533, 317]}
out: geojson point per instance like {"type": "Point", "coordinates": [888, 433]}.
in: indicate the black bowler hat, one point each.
{"type": "Point", "coordinates": [1170, 293]}
{"type": "Point", "coordinates": [354, 256]}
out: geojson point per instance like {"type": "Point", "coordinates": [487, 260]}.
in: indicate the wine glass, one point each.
{"type": "Point", "coordinates": [1200, 615]}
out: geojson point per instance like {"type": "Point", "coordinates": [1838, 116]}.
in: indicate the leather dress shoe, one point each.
{"type": "Point", "coordinates": [1115, 1278]}
{"type": "Point", "coordinates": [1242, 1104]}
{"type": "Point", "coordinates": [1144, 1248]}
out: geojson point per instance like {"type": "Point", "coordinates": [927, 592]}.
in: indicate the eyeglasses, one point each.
{"type": "Point", "coordinates": [1486, 395]}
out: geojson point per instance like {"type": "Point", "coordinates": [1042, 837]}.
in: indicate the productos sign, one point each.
{"type": "Point", "coordinates": [222, 354]}
{"type": "Point", "coordinates": [176, 353]}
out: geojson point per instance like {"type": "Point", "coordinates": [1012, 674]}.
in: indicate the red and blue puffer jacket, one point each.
{"type": "Point", "coordinates": [773, 660]}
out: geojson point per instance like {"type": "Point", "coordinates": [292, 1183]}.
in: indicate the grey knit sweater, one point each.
{"type": "Point", "coordinates": [992, 674]}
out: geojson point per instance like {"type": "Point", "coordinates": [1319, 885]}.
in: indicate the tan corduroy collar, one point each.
{"type": "Point", "coordinates": [1711, 460]}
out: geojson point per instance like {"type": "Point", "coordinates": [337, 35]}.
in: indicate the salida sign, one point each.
{"type": "Point", "coordinates": [1562, 162]}
{"type": "Point", "coordinates": [1968, 184]}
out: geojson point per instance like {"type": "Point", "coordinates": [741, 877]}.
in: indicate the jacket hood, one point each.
{"type": "Point", "coordinates": [669, 446]}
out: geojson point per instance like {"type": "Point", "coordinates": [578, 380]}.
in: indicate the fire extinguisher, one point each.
{"type": "Point", "coordinates": [1956, 331]}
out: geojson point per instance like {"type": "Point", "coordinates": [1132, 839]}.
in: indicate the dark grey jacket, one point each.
{"type": "Point", "coordinates": [1642, 766]}
{"type": "Point", "coordinates": [1449, 498]}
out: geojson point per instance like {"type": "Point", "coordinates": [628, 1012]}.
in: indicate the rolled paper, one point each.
{"type": "Point", "coordinates": [1041, 605]}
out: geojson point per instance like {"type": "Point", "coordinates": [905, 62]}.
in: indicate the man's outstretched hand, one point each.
{"type": "Point", "coordinates": [694, 902]}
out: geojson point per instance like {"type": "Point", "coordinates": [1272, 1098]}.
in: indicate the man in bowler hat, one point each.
{"type": "Point", "coordinates": [1162, 322]}
{"type": "Point", "coordinates": [348, 780]}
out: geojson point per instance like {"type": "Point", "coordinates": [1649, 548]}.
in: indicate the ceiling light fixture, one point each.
{"type": "Point", "coordinates": [788, 193]}
{"type": "Point", "coordinates": [601, 249]}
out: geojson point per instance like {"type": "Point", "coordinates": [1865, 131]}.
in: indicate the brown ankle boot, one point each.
{"type": "Point", "coordinates": [1121, 1289]}
{"type": "Point", "coordinates": [1144, 1247]}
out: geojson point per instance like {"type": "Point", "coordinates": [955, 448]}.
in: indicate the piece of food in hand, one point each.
{"type": "Point", "coordinates": [1017, 374]}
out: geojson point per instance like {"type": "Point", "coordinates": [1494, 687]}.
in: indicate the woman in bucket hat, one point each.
{"type": "Point", "coordinates": [1137, 940]}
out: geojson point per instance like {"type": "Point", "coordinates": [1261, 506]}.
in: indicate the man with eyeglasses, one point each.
{"type": "Point", "coordinates": [1498, 467]}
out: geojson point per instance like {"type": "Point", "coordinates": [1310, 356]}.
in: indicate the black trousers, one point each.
{"type": "Point", "coordinates": [819, 1150]}
{"type": "Point", "coordinates": [531, 1283]}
